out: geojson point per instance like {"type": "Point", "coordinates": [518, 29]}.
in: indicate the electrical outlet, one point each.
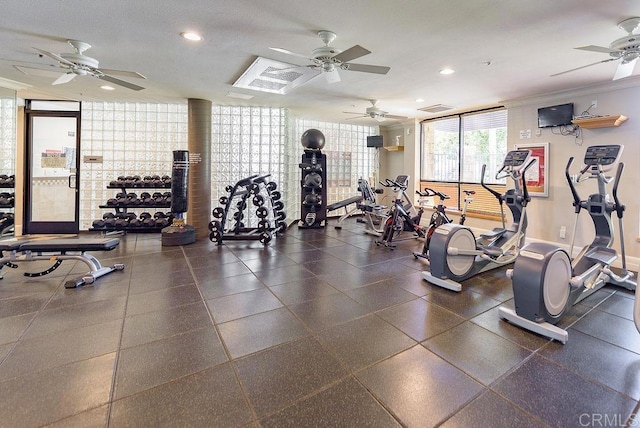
{"type": "Point", "coordinates": [563, 232]}
{"type": "Point", "coordinates": [594, 104]}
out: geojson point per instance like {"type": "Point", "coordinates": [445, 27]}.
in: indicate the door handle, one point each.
{"type": "Point", "coordinates": [72, 177]}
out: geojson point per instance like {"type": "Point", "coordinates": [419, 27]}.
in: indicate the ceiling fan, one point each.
{"type": "Point", "coordinates": [626, 49]}
{"type": "Point", "coordinates": [328, 60]}
{"type": "Point", "coordinates": [78, 64]}
{"type": "Point", "coordinates": [375, 113]}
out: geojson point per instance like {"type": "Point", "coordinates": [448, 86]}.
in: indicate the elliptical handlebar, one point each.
{"type": "Point", "coordinates": [525, 193]}
{"type": "Point", "coordinates": [618, 207]}
{"type": "Point", "coordinates": [498, 195]}
{"type": "Point", "coordinates": [574, 192]}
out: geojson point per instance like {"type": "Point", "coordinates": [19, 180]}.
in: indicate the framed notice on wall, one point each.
{"type": "Point", "coordinates": [537, 175]}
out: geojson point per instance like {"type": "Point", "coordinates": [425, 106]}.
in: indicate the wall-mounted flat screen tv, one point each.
{"type": "Point", "coordinates": [555, 115]}
{"type": "Point", "coordinates": [374, 141]}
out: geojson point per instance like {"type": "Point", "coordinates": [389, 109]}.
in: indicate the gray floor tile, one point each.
{"type": "Point", "coordinates": [346, 404]}
{"type": "Point", "coordinates": [227, 286]}
{"type": "Point", "coordinates": [151, 364]}
{"type": "Point", "coordinates": [21, 305]}
{"type": "Point", "coordinates": [157, 281]}
{"type": "Point", "coordinates": [364, 341]}
{"type": "Point", "coordinates": [302, 290]}
{"type": "Point", "coordinates": [60, 348]}
{"type": "Point", "coordinates": [489, 410]}
{"type": "Point", "coordinates": [210, 398]}
{"type": "Point", "coordinates": [419, 387]}
{"type": "Point", "coordinates": [51, 395]}
{"type": "Point", "coordinates": [478, 352]}
{"type": "Point", "coordinates": [95, 418]}
{"type": "Point", "coordinates": [277, 377]}
{"type": "Point", "coordinates": [156, 325]}
{"type": "Point", "coordinates": [240, 305]}
{"type": "Point", "coordinates": [282, 275]}
{"type": "Point", "coordinates": [536, 387]}
{"type": "Point", "coordinates": [420, 319]}
{"type": "Point", "coordinates": [328, 310]}
{"type": "Point", "coordinates": [11, 328]}
{"type": "Point", "coordinates": [610, 328]}
{"type": "Point", "coordinates": [257, 332]}
{"type": "Point", "coordinates": [162, 299]}
{"type": "Point", "coordinates": [465, 303]}
{"type": "Point", "coordinates": [380, 295]}
{"type": "Point", "coordinates": [70, 317]}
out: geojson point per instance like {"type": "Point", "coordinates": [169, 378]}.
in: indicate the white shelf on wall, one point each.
{"type": "Point", "coordinates": [394, 148]}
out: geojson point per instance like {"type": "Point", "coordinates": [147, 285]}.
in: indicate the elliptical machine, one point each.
{"type": "Point", "coordinates": [454, 252]}
{"type": "Point", "coordinates": [546, 282]}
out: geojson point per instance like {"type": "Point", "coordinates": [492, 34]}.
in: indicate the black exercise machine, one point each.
{"type": "Point", "coordinates": [15, 251]}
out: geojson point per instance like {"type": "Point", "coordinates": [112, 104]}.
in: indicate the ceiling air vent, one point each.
{"type": "Point", "coordinates": [436, 108]}
{"type": "Point", "coordinates": [267, 75]}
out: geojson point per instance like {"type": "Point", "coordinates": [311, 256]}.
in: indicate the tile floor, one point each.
{"type": "Point", "coordinates": [320, 328]}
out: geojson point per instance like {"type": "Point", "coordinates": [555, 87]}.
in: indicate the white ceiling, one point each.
{"type": "Point", "coordinates": [524, 42]}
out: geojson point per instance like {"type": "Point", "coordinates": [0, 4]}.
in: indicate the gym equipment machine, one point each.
{"type": "Point", "coordinates": [313, 210]}
{"type": "Point", "coordinates": [546, 282]}
{"type": "Point", "coordinates": [439, 216]}
{"type": "Point", "coordinates": [454, 252]}
{"type": "Point", "coordinates": [400, 216]}
{"type": "Point", "coordinates": [267, 220]}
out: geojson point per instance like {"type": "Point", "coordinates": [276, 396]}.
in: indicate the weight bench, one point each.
{"type": "Point", "coordinates": [344, 204]}
{"type": "Point", "coordinates": [15, 251]}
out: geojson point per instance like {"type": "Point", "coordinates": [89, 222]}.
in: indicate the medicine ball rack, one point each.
{"type": "Point", "coordinates": [122, 220]}
{"type": "Point", "coordinates": [267, 221]}
{"type": "Point", "coordinates": [7, 201]}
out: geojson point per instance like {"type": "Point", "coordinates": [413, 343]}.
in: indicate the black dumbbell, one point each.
{"type": "Point", "coordinates": [121, 198]}
{"type": "Point", "coordinates": [167, 198]}
{"type": "Point", "coordinates": [98, 224]}
{"type": "Point", "coordinates": [132, 199]}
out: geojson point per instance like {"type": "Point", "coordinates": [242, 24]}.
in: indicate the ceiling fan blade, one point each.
{"type": "Point", "coordinates": [65, 78]}
{"type": "Point", "coordinates": [594, 48]}
{"type": "Point", "coordinates": [32, 71]}
{"type": "Point", "coordinates": [394, 117]}
{"type": "Point", "coordinates": [55, 56]}
{"type": "Point", "coordinates": [288, 52]}
{"type": "Point", "coordinates": [378, 69]}
{"type": "Point", "coordinates": [584, 66]}
{"type": "Point", "coordinates": [332, 76]}
{"type": "Point", "coordinates": [625, 69]}
{"type": "Point", "coordinates": [122, 73]}
{"type": "Point", "coordinates": [352, 53]}
{"type": "Point", "coordinates": [356, 117]}
{"type": "Point", "coordinates": [119, 82]}
{"type": "Point", "coordinates": [352, 112]}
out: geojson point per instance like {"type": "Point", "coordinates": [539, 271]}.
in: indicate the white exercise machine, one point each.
{"type": "Point", "coordinates": [455, 254]}
{"type": "Point", "coordinates": [546, 282]}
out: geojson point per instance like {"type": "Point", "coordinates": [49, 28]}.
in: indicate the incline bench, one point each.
{"type": "Point", "coordinates": [13, 251]}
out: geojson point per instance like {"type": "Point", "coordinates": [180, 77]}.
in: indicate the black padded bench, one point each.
{"type": "Point", "coordinates": [344, 204]}
{"type": "Point", "coordinates": [15, 251]}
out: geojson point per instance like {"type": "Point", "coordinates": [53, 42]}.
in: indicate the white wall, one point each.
{"type": "Point", "coordinates": [548, 215]}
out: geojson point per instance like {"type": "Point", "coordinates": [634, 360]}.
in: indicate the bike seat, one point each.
{"type": "Point", "coordinates": [469, 192]}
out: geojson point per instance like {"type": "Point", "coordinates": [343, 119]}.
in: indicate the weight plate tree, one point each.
{"type": "Point", "coordinates": [313, 210]}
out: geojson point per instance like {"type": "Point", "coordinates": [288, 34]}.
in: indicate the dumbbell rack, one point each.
{"type": "Point", "coordinates": [267, 221]}
{"type": "Point", "coordinates": [120, 208]}
{"type": "Point", "coordinates": [7, 201]}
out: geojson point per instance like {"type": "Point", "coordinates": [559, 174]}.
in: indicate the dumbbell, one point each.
{"type": "Point", "coordinates": [161, 219]}
{"type": "Point", "coordinates": [121, 198]}
{"type": "Point", "coordinates": [166, 198]}
{"type": "Point", "coordinates": [157, 197]}
{"type": "Point", "coordinates": [166, 179]}
{"type": "Point", "coordinates": [6, 198]}
{"type": "Point", "coordinates": [147, 220]}
{"type": "Point", "coordinates": [145, 199]}
{"type": "Point", "coordinates": [98, 224]}
{"type": "Point", "coordinates": [132, 199]}
{"type": "Point", "coordinates": [4, 178]}
{"type": "Point", "coordinates": [109, 219]}
{"type": "Point", "coordinates": [217, 212]}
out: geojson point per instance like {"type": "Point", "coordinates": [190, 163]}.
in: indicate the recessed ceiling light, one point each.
{"type": "Point", "coordinates": [447, 71]}
{"type": "Point", "coordinates": [107, 88]}
{"type": "Point", "coordinates": [419, 100]}
{"type": "Point", "coordinates": [190, 35]}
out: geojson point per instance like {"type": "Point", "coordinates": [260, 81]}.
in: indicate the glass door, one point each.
{"type": "Point", "coordinates": [53, 144]}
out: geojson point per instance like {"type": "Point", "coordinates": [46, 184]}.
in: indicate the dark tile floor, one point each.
{"type": "Point", "coordinates": [320, 328]}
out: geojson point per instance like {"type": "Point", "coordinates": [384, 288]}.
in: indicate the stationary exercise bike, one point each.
{"type": "Point", "coordinates": [439, 216]}
{"type": "Point", "coordinates": [546, 282]}
{"type": "Point", "coordinates": [454, 252]}
{"type": "Point", "coordinates": [400, 218]}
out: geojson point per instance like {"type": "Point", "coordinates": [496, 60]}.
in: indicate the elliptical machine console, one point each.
{"type": "Point", "coordinates": [456, 254]}
{"type": "Point", "coordinates": [546, 282]}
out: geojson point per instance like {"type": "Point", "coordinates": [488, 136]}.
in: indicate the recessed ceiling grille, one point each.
{"type": "Point", "coordinates": [277, 77]}
{"type": "Point", "coordinates": [436, 108]}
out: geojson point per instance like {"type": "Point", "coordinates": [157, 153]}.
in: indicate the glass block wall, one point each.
{"type": "Point", "coordinates": [8, 112]}
{"type": "Point", "coordinates": [139, 138]}
{"type": "Point", "coordinates": [133, 139]}
{"type": "Point", "coordinates": [248, 141]}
